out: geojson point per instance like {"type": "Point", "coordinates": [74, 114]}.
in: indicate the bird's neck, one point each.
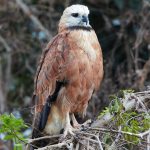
{"type": "Point", "coordinates": [85, 40]}
{"type": "Point", "coordinates": [83, 28]}
{"type": "Point", "coordinates": [63, 27]}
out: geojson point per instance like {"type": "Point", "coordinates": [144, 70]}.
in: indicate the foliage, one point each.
{"type": "Point", "coordinates": [118, 127]}
{"type": "Point", "coordinates": [11, 127]}
{"type": "Point", "coordinates": [129, 121]}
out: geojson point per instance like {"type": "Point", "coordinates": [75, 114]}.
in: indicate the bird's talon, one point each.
{"type": "Point", "coordinates": [76, 125]}
{"type": "Point", "coordinates": [86, 124]}
{"type": "Point", "coordinates": [68, 130]}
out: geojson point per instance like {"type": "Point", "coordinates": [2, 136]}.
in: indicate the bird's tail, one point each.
{"type": "Point", "coordinates": [38, 126]}
{"type": "Point", "coordinates": [40, 118]}
{"type": "Point", "coordinates": [37, 133]}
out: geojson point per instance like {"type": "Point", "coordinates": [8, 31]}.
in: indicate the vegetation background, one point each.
{"type": "Point", "coordinates": [122, 27]}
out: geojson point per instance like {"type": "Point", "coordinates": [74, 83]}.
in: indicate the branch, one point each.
{"type": "Point", "coordinates": [59, 145]}
{"type": "Point", "coordinates": [130, 101]}
{"type": "Point", "coordinates": [41, 138]}
{"type": "Point", "coordinates": [6, 46]}
{"type": "Point", "coordinates": [148, 141]}
{"type": "Point", "coordinates": [143, 74]}
{"type": "Point", "coordinates": [35, 20]}
{"type": "Point", "coordinates": [114, 144]}
{"type": "Point", "coordinates": [92, 137]}
{"type": "Point", "coordinates": [99, 142]}
{"type": "Point", "coordinates": [7, 77]}
{"type": "Point", "coordinates": [140, 135]}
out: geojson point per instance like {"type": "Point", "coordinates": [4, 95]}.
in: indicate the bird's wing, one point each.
{"type": "Point", "coordinates": [49, 78]}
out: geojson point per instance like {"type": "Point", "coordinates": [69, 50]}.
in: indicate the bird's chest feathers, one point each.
{"type": "Point", "coordinates": [85, 41]}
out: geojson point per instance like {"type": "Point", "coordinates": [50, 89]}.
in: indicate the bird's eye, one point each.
{"type": "Point", "coordinates": [75, 14]}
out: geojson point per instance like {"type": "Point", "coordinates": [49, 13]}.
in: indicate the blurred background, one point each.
{"type": "Point", "coordinates": [122, 27]}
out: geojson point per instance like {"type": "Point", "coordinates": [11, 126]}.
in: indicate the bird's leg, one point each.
{"type": "Point", "coordinates": [87, 123]}
{"type": "Point", "coordinates": [74, 122]}
{"type": "Point", "coordinates": [68, 128]}
{"type": "Point", "coordinates": [77, 125]}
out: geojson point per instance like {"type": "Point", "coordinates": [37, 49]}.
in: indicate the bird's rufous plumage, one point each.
{"type": "Point", "coordinates": [70, 70]}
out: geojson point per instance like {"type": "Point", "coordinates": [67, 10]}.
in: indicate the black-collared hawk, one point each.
{"type": "Point", "coordinates": [70, 70]}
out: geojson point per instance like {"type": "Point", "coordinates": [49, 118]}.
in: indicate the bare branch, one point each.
{"type": "Point", "coordinates": [148, 141]}
{"type": "Point", "coordinates": [3, 41]}
{"type": "Point", "coordinates": [27, 11]}
{"type": "Point", "coordinates": [90, 138]}
{"type": "Point", "coordinates": [5, 78]}
{"type": "Point", "coordinates": [44, 137]}
{"type": "Point", "coordinates": [140, 135]}
{"type": "Point", "coordinates": [59, 145]}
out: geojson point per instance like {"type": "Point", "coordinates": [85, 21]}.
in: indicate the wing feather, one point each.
{"type": "Point", "coordinates": [49, 68]}
{"type": "Point", "coordinates": [48, 81]}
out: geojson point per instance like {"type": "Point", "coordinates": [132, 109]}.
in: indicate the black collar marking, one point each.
{"type": "Point", "coordinates": [80, 28]}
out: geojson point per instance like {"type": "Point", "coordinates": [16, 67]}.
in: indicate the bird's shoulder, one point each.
{"type": "Point", "coordinates": [53, 57]}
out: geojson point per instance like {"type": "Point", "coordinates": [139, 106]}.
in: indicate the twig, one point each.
{"type": "Point", "coordinates": [88, 139]}
{"type": "Point", "coordinates": [9, 62]}
{"type": "Point", "coordinates": [7, 79]}
{"type": "Point", "coordinates": [29, 67]}
{"type": "Point", "coordinates": [143, 74]}
{"type": "Point", "coordinates": [148, 141]}
{"type": "Point", "coordinates": [2, 92]}
{"type": "Point", "coordinates": [88, 145]}
{"type": "Point", "coordinates": [3, 41]}
{"type": "Point", "coordinates": [142, 104]}
{"type": "Point", "coordinates": [59, 145]}
{"type": "Point", "coordinates": [99, 142]}
{"type": "Point", "coordinates": [44, 137]}
{"type": "Point", "coordinates": [143, 92]}
{"type": "Point", "coordinates": [113, 145]}
{"type": "Point", "coordinates": [77, 146]}
{"type": "Point", "coordinates": [27, 11]}
{"type": "Point", "coordinates": [140, 135]}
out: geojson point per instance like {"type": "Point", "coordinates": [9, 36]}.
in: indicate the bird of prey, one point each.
{"type": "Point", "coordinates": [70, 70]}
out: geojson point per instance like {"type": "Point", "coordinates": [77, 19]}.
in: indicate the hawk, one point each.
{"type": "Point", "coordinates": [70, 70]}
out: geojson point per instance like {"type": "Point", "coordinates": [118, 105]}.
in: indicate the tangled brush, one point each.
{"type": "Point", "coordinates": [124, 124]}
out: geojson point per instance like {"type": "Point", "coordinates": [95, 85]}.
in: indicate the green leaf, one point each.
{"type": "Point", "coordinates": [9, 137]}
{"type": "Point", "coordinates": [130, 138]}
{"type": "Point", "coordinates": [105, 111]}
{"type": "Point", "coordinates": [11, 127]}
{"type": "Point", "coordinates": [18, 147]}
{"type": "Point", "coordinates": [106, 138]}
{"type": "Point", "coordinates": [115, 106]}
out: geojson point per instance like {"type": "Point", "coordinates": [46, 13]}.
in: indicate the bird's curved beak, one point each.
{"type": "Point", "coordinates": [85, 19]}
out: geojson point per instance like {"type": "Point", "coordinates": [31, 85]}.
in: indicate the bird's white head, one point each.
{"type": "Point", "coordinates": [75, 16]}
